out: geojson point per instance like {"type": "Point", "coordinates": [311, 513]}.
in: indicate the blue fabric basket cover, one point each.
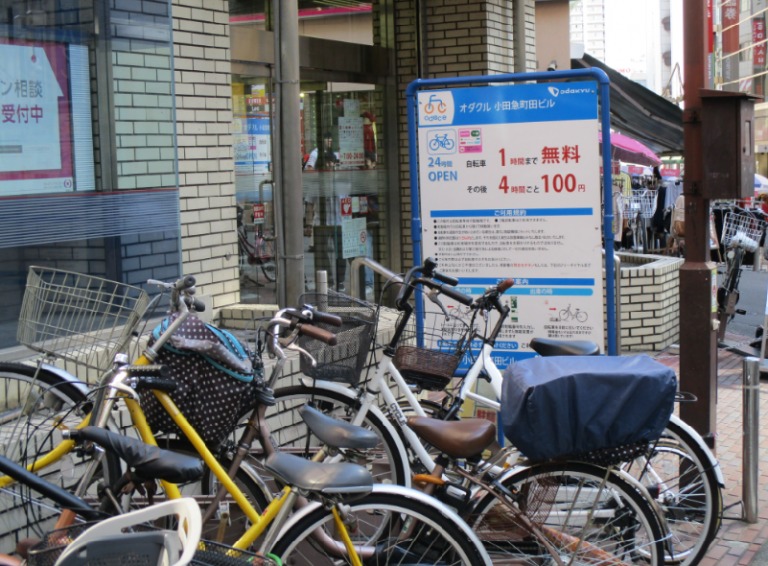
{"type": "Point", "coordinates": [556, 407]}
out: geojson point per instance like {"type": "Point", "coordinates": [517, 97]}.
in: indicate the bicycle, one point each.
{"type": "Point", "coordinates": [375, 400]}
{"type": "Point", "coordinates": [423, 526]}
{"type": "Point", "coordinates": [567, 315]}
{"type": "Point", "coordinates": [529, 514]}
{"type": "Point", "coordinates": [742, 233]}
{"type": "Point", "coordinates": [638, 209]}
{"type": "Point", "coordinates": [261, 252]}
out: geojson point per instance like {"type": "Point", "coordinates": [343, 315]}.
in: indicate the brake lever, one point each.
{"type": "Point", "coordinates": [296, 348]}
{"type": "Point", "coordinates": [434, 296]}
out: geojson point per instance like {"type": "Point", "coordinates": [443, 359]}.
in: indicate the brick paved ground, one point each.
{"type": "Point", "coordinates": [738, 542]}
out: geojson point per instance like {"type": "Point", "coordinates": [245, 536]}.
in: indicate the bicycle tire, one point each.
{"type": "Point", "coordinates": [33, 406]}
{"type": "Point", "coordinates": [587, 514]}
{"type": "Point", "coordinates": [290, 434]}
{"type": "Point", "coordinates": [435, 534]}
{"type": "Point", "coordinates": [690, 497]}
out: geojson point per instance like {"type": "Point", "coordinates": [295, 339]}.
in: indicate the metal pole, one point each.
{"type": "Point", "coordinates": [698, 344]}
{"type": "Point", "coordinates": [750, 438]}
{"type": "Point", "coordinates": [321, 282]}
{"type": "Point", "coordinates": [288, 193]}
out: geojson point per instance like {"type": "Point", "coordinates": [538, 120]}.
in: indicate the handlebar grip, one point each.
{"type": "Point", "coordinates": [195, 304]}
{"type": "Point", "coordinates": [326, 318]}
{"type": "Point", "coordinates": [457, 295]}
{"type": "Point", "coordinates": [185, 283]}
{"type": "Point", "coordinates": [317, 333]}
{"type": "Point", "coordinates": [447, 279]}
{"type": "Point", "coordinates": [504, 285]}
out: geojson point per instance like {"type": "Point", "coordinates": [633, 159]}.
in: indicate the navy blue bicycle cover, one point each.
{"type": "Point", "coordinates": [563, 406]}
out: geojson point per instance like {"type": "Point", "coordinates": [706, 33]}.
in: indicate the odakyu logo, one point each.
{"type": "Point", "coordinates": [555, 91]}
{"type": "Point", "coordinates": [435, 108]}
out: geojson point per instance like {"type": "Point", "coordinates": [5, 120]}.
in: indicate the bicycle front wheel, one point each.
{"type": "Point", "coordinates": [387, 527]}
{"type": "Point", "coordinates": [581, 513]}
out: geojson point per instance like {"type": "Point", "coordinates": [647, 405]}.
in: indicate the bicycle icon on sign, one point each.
{"type": "Point", "coordinates": [567, 315]}
{"type": "Point", "coordinates": [441, 142]}
{"type": "Point", "coordinates": [431, 106]}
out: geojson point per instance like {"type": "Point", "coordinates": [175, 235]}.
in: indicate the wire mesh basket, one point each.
{"type": "Point", "coordinates": [742, 231]}
{"type": "Point", "coordinates": [141, 545]}
{"type": "Point", "coordinates": [643, 203]}
{"type": "Point", "coordinates": [344, 361]}
{"type": "Point", "coordinates": [445, 339]}
{"type": "Point", "coordinates": [77, 317]}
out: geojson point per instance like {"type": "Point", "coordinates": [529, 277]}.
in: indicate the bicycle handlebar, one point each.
{"type": "Point", "coordinates": [182, 291]}
{"type": "Point", "coordinates": [428, 276]}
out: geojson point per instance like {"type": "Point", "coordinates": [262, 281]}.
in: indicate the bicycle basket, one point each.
{"type": "Point", "coordinates": [343, 362]}
{"type": "Point", "coordinates": [643, 203]}
{"type": "Point", "coordinates": [76, 317]}
{"type": "Point", "coordinates": [742, 231]}
{"type": "Point", "coordinates": [217, 380]}
{"type": "Point", "coordinates": [444, 343]}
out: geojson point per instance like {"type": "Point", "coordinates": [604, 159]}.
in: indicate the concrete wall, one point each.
{"type": "Point", "coordinates": [553, 35]}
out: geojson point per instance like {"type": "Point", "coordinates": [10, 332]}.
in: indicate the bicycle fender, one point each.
{"type": "Point", "coordinates": [700, 442]}
{"type": "Point", "coordinates": [68, 377]}
{"type": "Point", "coordinates": [374, 409]}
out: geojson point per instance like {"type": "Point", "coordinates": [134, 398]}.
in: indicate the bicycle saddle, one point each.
{"type": "Point", "coordinates": [458, 439]}
{"type": "Point", "coordinates": [321, 477]}
{"type": "Point", "coordinates": [551, 347]}
{"type": "Point", "coordinates": [337, 433]}
{"type": "Point", "coordinates": [149, 462]}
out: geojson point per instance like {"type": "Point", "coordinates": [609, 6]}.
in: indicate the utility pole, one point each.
{"type": "Point", "coordinates": [698, 343]}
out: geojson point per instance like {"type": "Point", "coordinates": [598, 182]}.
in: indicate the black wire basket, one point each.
{"type": "Point", "coordinates": [431, 363]}
{"type": "Point", "coordinates": [343, 362]}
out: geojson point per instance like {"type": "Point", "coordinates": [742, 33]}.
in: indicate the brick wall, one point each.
{"type": "Point", "coordinates": [462, 38]}
{"type": "Point", "coordinates": [142, 95]}
{"type": "Point", "coordinates": [650, 302]}
{"type": "Point", "coordinates": [206, 166]}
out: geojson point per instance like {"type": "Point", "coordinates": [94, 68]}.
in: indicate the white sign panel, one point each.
{"type": "Point", "coordinates": [510, 188]}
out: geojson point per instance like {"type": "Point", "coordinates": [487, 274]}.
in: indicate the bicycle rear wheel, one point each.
{"type": "Point", "coordinates": [410, 531]}
{"type": "Point", "coordinates": [583, 514]}
{"type": "Point", "coordinates": [679, 475]}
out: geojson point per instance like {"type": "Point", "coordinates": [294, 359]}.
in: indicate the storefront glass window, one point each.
{"type": "Point", "coordinates": [253, 107]}
{"type": "Point", "coordinates": [344, 181]}
{"type": "Point", "coordinates": [85, 122]}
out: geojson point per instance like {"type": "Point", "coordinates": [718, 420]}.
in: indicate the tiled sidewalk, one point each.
{"type": "Point", "coordinates": [738, 542]}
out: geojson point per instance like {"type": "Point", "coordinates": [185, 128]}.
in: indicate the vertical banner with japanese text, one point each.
{"type": "Point", "coordinates": [510, 188]}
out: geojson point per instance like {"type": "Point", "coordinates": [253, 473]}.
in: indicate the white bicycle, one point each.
{"type": "Point", "coordinates": [681, 474]}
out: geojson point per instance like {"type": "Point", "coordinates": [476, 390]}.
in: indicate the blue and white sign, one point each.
{"type": "Point", "coordinates": [509, 180]}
